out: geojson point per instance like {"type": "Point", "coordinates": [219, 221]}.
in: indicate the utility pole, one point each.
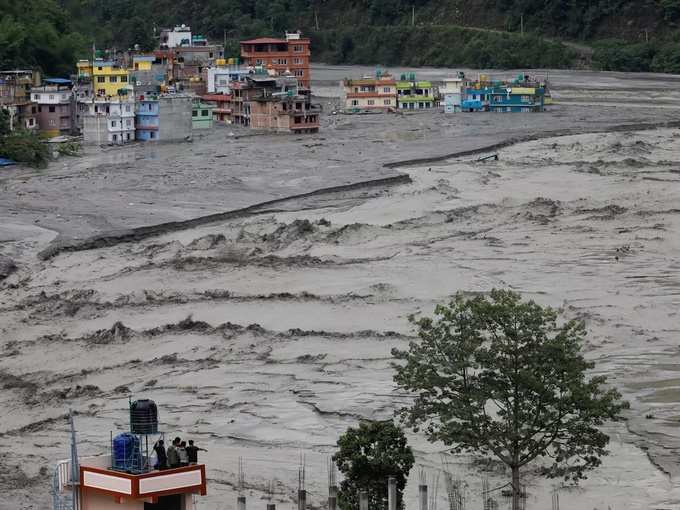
{"type": "Point", "coordinates": [521, 23]}
{"type": "Point", "coordinates": [225, 42]}
{"type": "Point", "coordinates": [413, 15]}
{"type": "Point", "coordinates": [316, 18]}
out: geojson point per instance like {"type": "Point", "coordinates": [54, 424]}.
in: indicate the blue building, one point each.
{"type": "Point", "coordinates": [520, 95]}
{"type": "Point", "coordinates": [148, 119]}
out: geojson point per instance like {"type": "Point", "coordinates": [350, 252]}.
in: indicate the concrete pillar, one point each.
{"type": "Point", "coordinates": [241, 503]}
{"type": "Point", "coordinates": [392, 493]}
{"type": "Point", "coordinates": [332, 497]}
{"type": "Point", "coordinates": [302, 499]}
{"type": "Point", "coordinates": [422, 497]}
{"type": "Point", "coordinates": [363, 500]}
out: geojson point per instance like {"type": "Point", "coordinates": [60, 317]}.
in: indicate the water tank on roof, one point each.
{"type": "Point", "coordinates": [143, 417]}
{"type": "Point", "coordinates": [126, 454]}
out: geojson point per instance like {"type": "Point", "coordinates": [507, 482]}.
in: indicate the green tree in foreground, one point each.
{"type": "Point", "coordinates": [367, 456]}
{"type": "Point", "coordinates": [20, 145]}
{"type": "Point", "coordinates": [498, 376]}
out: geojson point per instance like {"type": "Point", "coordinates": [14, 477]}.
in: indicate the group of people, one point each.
{"type": "Point", "coordinates": [178, 454]}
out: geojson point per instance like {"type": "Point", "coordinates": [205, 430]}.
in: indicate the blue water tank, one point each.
{"type": "Point", "coordinates": [127, 453]}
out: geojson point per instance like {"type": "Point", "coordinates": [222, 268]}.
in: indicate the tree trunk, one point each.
{"type": "Point", "coordinates": [516, 490]}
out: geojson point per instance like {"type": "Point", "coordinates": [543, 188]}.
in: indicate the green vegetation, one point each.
{"type": "Point", "coordinates": [21, 146]}
{"type": "Point", "coordinates": [51, 34]}
{"type": "Point", "coordinates": [367, 456]}
{"type": "Point", "coordinates": [438, 46]}
{"type": "Point", "coordinates": [498, 376]}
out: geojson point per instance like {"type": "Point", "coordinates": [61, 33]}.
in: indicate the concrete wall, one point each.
{"type": "Point", "coordinates": [174, 118]}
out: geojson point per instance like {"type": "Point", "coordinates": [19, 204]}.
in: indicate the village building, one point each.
{"type": "Point", "coordinates": [109, 79]}
{"type": "Point", "coordinates": [222, 106]}
{"type": "Point", "coordinates": [451, 93]}
{"type": "Point", "coordinates": [280, 105]}
{"type": "Point", "coordinates": [176, 37]}
{"type": "Point", "coordinates": [56, 107]}
{"type": "Point", "coordinates": [289, 55]}
{"type": "Point", "coordinates": [522, 95]}
{"type": "Point", "coordinates": [109, 120]}
{"type": "Point", "coordinates": [147, 75]}
{"type": "Point", "coordinates": [15, 98]}
{"type": "Point", "coordinates": [371, 93]}
{"type": "Point", "coordinates": [413, 94]}
{"type": "Point", "coordinates": [165, 118]}
{"type": "Point", "coordinates": [201, 115]}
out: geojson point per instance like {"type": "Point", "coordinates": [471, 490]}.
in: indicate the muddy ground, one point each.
{"type": "Point", "coordinates": [265, 335]}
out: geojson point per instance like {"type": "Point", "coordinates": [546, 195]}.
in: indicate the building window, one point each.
{"type": "Point", "coordinates": [51, 96]}
{"type": "Point", "coordinates": [99, 69]}
{"type": "Point", "coordinates": [297, 61]}
{"type": "Point", "coordinates": [115, 138]}
{"type": "Point", "coordinates": [299, 72]}
{"type": "Point", "coordinates": [52, 123]}
{"type": "Point", "coordinates": [128, 122]}
{"type": "Point", "coordinates": [204, 113]}
{"type": "Point", "coordinates": [124, 79]}
{"type": "Point", "coordinates": [386, 90]}
{"type": "Point", "coordinates": [39, 109]}
{"type": "Point", "coordinates": [113, 79]}
{"type": "Point", "coordinates": [298, 48]}
{"type": "Point", "coordinates": [371, 102]}
{"type": "Point", "coordinates": [113, 123]}
{"type": "Point", "coordinates": [387, 102]}
{"type": "Point", "coordinates": [52, 109]}
{"type": "Point", "coordinates": [33, 109]}
{"type": "Point", "coordinates": [31, 122]}
{"type": "Point", "coordinates": [128, 136]}
{"type": "Point", "coordinates": [101, 92]}
{"type": "Point", "coordinates": [127, 108]}
{"type": "Point", "coordinates": [355, 102]}
{"type": "Point", "coordinates": [258, 62]}
{"type": "Point", "coordinates": [101, 79]}
{"type": "Point", "coordinates": [194, 113]}
{"type": "Point", "coordinates": [36, 97]}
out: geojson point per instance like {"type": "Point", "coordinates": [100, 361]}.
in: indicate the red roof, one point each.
{"type": "Point", "coordinates": [265, 40]}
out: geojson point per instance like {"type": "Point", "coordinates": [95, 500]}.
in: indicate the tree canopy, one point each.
{"type": "Point", "coordinates": [499, 376]}
{"type": "Point", "coordinates": [367, 457]}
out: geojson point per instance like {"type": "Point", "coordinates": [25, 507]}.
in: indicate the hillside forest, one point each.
{"type": "Point", "coordinates": [623, 35]}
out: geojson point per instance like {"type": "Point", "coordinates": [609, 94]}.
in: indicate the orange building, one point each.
{"type": "Point", "coordinates": [282, 55]}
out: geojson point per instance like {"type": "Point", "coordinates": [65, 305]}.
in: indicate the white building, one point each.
{"type": "Point", "coordinates": [451, 93]}
{"type": "Point", "coordinates": [109, 121]}
{"type": "Point", "coordinates": [179, 36]}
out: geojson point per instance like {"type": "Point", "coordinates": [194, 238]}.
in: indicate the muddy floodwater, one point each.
{"type": "Point", "coordinates": [264, 334]}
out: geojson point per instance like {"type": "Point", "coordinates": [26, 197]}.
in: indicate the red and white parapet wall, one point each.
{"type": "Point", "coordinates": [135, 489]}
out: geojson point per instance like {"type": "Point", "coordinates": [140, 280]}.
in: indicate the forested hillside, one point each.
{"type": "Point", "coordinates": [631, 35]}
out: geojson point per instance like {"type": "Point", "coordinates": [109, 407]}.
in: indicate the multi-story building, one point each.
{"type": "Point", "coordinates": [371, 93]}
{"type": "Point", "coordinates": [109, 79]}
{"type": "Point", "coordinates": [56, 107]}
{"type": "Point", "coordinates": [109, 120]}
{"type": "Point", "coordinates": [413, 94]}
{"type": "Point", "coordinates": [147, 74]}
{"type": "Point", "coordinates": [280, 105]}
{"type": "Point", "coordinates": [521, 95]}
{"type": "Point", "coordinates": [164, 118]}
{"type": "Point", "coordinates": [222, 108]}
{"type": "Point", "coordinates": [289, 55]}
{"type": "Point", "coordinates": [451, 93]}
{"type": "Point", "coordinates": [15, 98]}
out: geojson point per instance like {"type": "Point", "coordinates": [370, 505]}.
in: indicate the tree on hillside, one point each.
{"type": "Point", "coordinates": [367, 457]}
{"type": "Point", "coordinates": [498, 376]}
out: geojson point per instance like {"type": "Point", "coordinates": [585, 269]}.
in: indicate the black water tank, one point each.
{"type": "Point", "coordinates": [143, 417]}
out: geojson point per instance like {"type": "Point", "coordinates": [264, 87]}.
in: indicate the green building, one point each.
{"type": "Point", "coordinates": [202, 115]}
{"type": "Point", "coordinates": [413, 94]}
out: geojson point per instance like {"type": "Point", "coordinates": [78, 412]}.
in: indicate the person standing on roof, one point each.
{"type": "Point", "coordinates": [173, 454]}
{"type": "Point", "coordinates": [192, 452]}
{"type": "Point", "coordinates": [159, 448]}
{"type": "Point", "coordinates": [182, 452]}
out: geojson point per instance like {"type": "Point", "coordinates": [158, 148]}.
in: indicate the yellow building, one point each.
{"type": "Point", "coordinates": [84, 69]}
{"type": "Point", "coordinates": [142, 62]}
{"type": "Point", "coordinates": [109, 79]}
